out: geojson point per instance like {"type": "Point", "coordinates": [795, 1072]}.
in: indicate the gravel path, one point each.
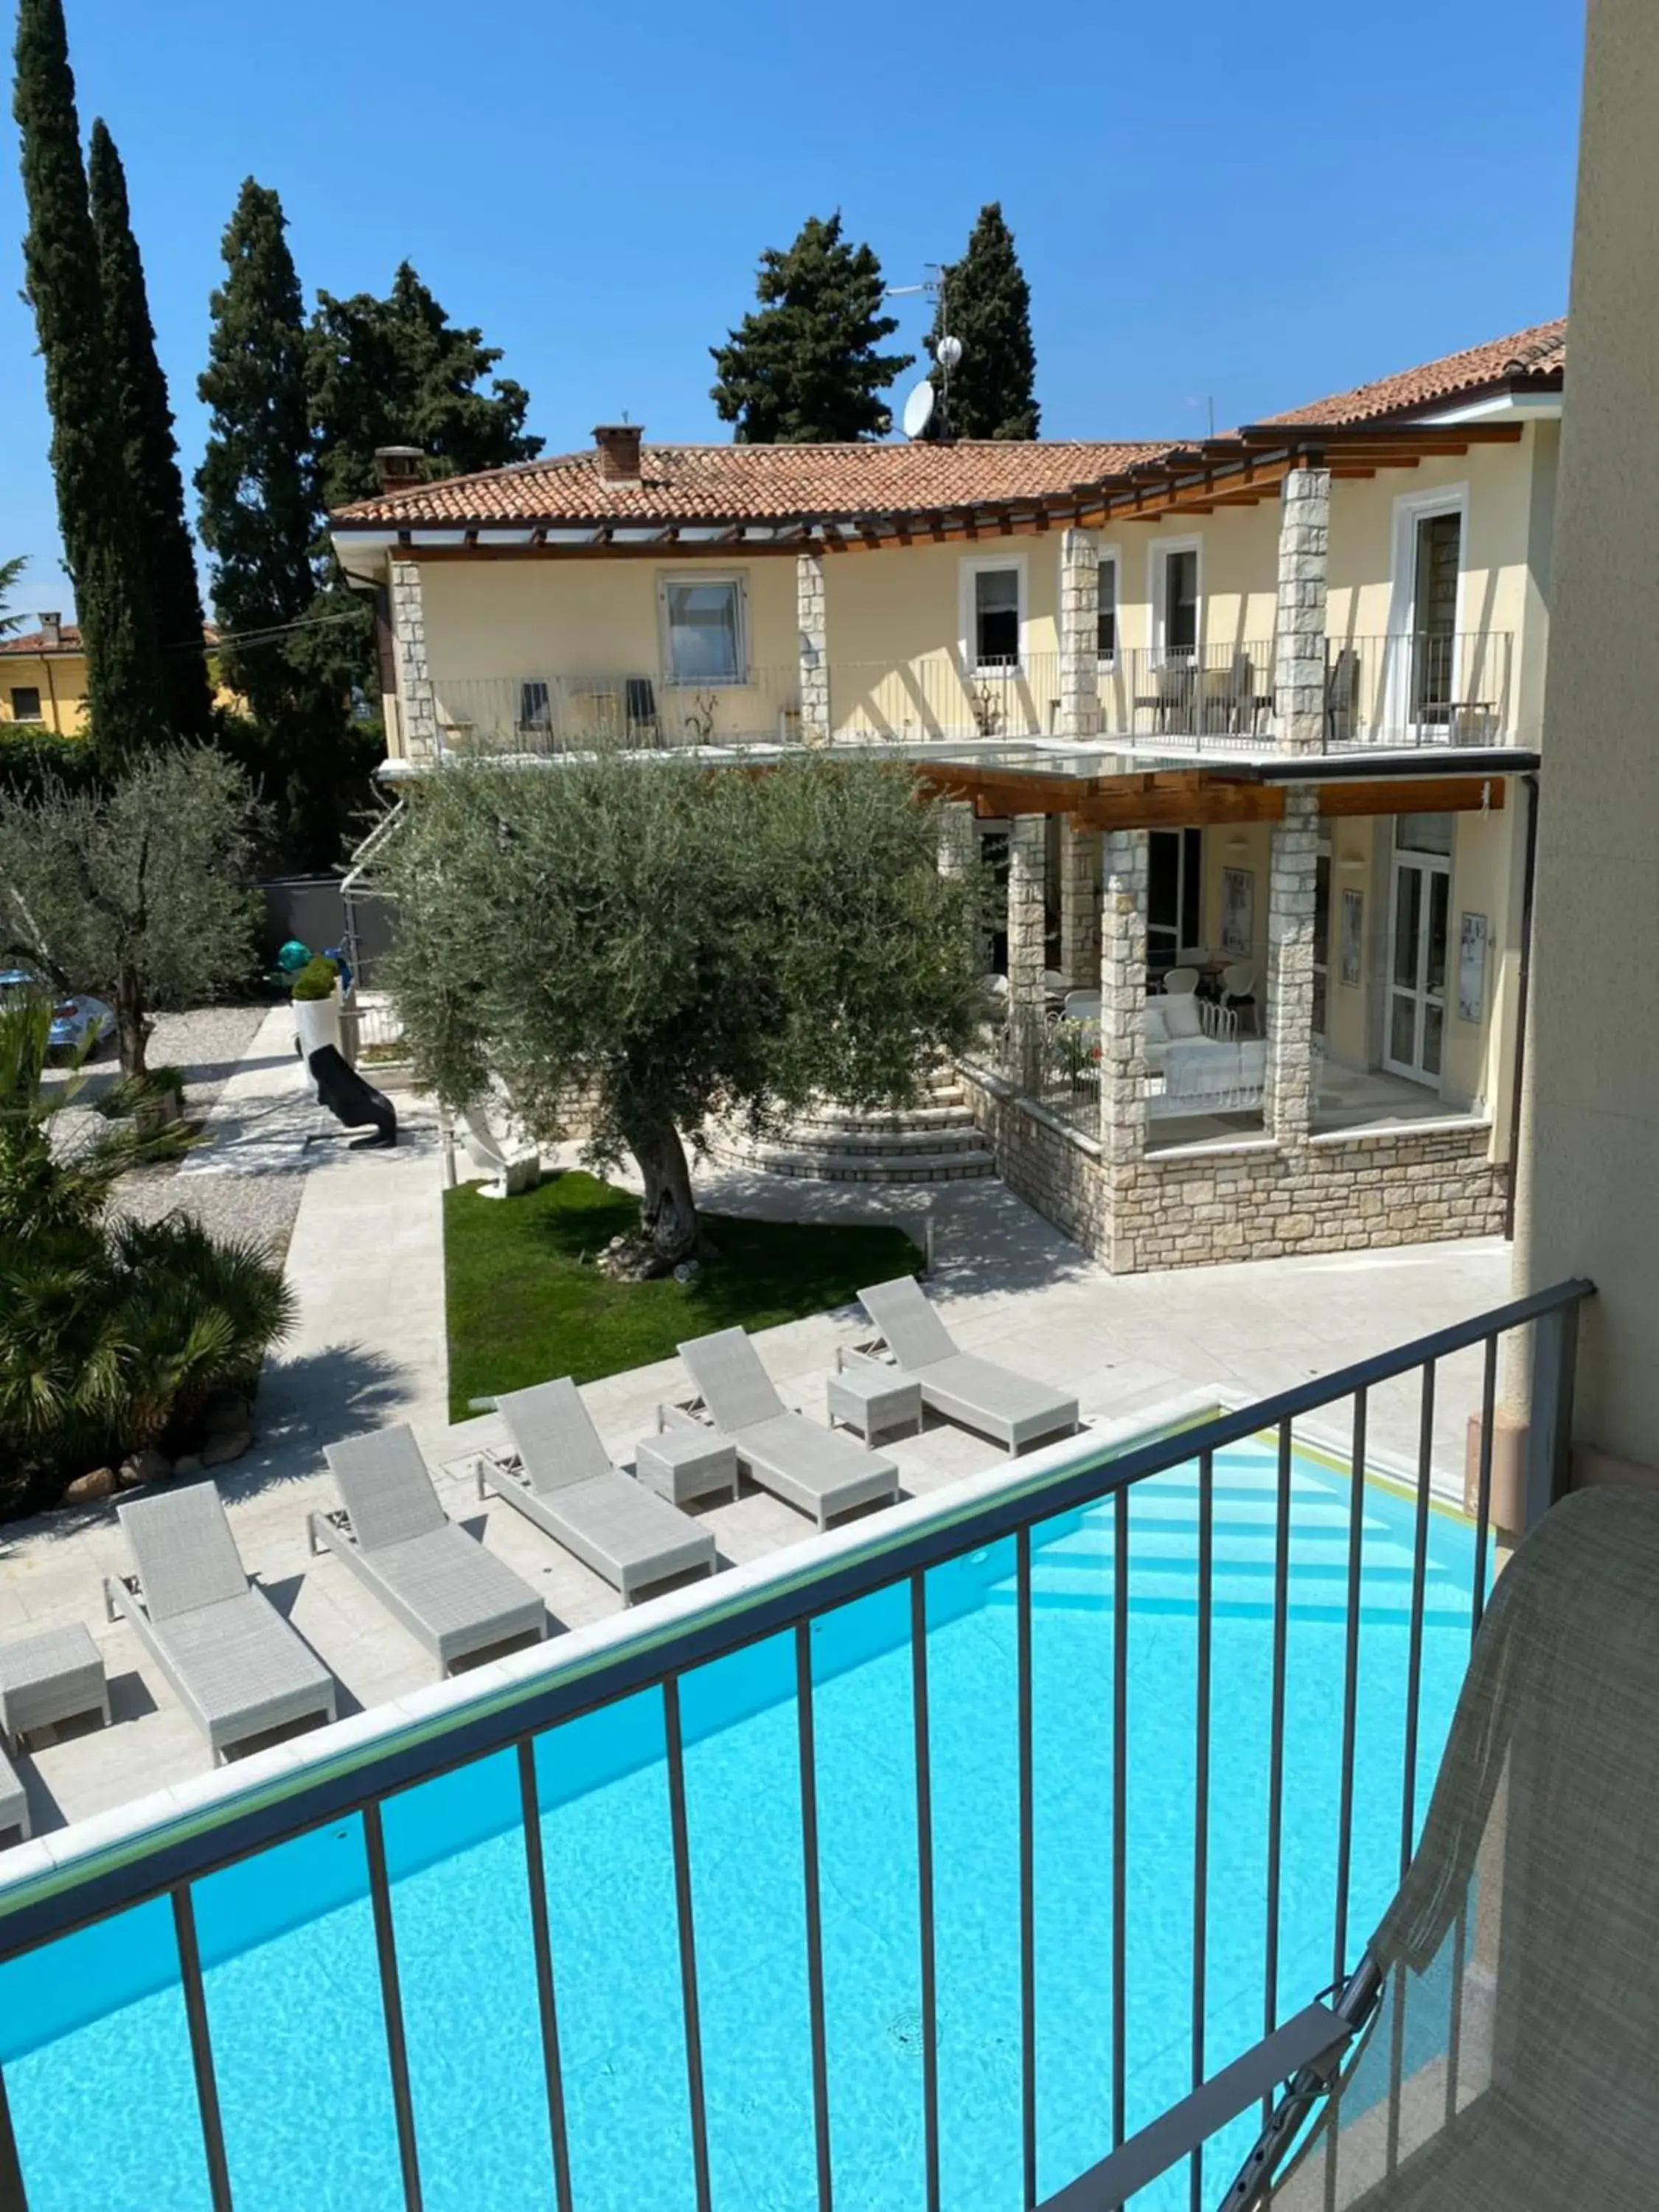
{"type": "Point", "coordinates": [245, 1179]}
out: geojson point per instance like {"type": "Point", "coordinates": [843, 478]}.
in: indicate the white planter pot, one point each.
{"type": "Point", "coordinates": [317, 1022]}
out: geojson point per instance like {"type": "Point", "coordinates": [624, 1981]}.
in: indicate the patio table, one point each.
{"type": "Point", "coordinates": [49, 1676]}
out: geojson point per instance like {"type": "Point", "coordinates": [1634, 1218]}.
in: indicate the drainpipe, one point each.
{"type": "Point", "coordinates": [1529, 873]}
{"type": "Point", "coordinates": [51, 694]}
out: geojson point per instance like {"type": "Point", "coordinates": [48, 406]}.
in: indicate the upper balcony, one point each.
{"type": "Point", "coordinates": [1416, 688]}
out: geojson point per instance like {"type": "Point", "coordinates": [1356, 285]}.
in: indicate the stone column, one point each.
{"type": "Point", "coordinates": [1304, 530]}
{"type": "Point", "coordinates": [958, 856]}
{"type": "Point", "coordinates": [1288, 1098]}
{"type": "Point", "coordinates": [1122, 996]}
{"type": "Point", "coordinates": [1079, 906]}
{"type": "Point", "coordinates": [1028, 857]}
{"type": "Point", "coordinates": [416, 704]}
{"type": "Point", "coordinates": [809, 617]}
{"type": "Point", "coordinates": [1079, 606]}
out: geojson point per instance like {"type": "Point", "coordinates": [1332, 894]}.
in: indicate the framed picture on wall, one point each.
{"type": "Point", "coordinates": [1472, 967]}
{"type": "Point", "coordinates": [1354, 913]}
{"type": "Point", "coordinates": [1238, 912]}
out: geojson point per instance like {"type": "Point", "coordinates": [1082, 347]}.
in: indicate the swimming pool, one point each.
{"type": "Point", "coordinates": [94, 2038]}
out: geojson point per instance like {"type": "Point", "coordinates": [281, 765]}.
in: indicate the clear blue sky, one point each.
{"type": "Point", "coordinates": [1257, 203]}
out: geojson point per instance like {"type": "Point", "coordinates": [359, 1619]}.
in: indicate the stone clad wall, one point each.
{"type": "Point", "coordinates": [416, 705]}
{"type": "Point", "coordinates": [1051, 1167]}
{"type": "Point", "coordinates": [1251, 1200]}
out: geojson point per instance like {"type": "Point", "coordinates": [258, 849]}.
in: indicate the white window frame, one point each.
{"type": "Point", "coordinates": [1411, 507]}
{"type": "Point", "coordinates": [1114, 554]}
{"type": "Point", "coordinates": [1158, 562]}
{"type": "Point", "coordinates": [738, 579]}
{"type": "Point", "coordinates": [1429, 865]}
{"type": "Point", "coordinates": [971, 566]}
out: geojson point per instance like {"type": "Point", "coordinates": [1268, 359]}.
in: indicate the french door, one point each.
{"type": "Point", "coordinates": [1419, 934]}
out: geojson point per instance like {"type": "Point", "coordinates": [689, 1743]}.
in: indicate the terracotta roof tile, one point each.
{"type": "Point", "coordinates": [1538, 351]}
{"type": "Point", "coordinates": [32, 642]}
{"type": "Point", "coordinates": [757, 484]}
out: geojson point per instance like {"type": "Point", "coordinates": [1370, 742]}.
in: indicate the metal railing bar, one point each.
{"type": "Point", "coordinates": [1455, 2036]}
{"type": "Point", "coordinates": [13, 2196]}
{"type": "Point", "coordinates": [1202, 1793]}
{"type": "Point", "coordinates": [1482, 1496]}
{"type": "Point", "coordinates": [1419, 1580]}
{"type": "Point", "coordinates": [1120, 1809]}
{"type": "Point", "coordinates": [1350, 1686]}
{"type": "Point", "coordinates": [386, 1949]}
{"type": "Point", "coordinates": [1276, 1742]}
{"type": "Point", "coordinates": [546, 1999]}
{"type": "Point", "coordinates": [807, 1755]}
{"type": "Point", "coordinates": [315, 1803]}
{"type": "Point", "coordinates": [924, 1886]}
{"type": "Point", "coordinates": [201, 2049]}
{"type": "Point", "coordinates": [675, 1753]}
{"type": "Point", "coordinates": [1027, 1874]}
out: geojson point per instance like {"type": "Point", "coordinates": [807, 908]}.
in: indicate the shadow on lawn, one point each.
{"type": "Point", "coordinates": [526, 1300]}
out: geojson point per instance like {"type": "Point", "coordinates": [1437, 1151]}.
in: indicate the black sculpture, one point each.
{"type": "Point", "coordinates": [349, 1098]}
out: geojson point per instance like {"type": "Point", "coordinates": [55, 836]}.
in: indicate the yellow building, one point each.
{"type": "Point", "coordinates": [1267, 709]}
{"type": "Point", "coordinates": [43, 676]}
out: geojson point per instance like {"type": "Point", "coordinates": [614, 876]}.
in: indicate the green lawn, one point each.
{"type": "Point", "coordinates": [525, 1303]}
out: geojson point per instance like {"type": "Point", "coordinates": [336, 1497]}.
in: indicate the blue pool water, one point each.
{"type": "Point", "coordinates": [93, 2034]}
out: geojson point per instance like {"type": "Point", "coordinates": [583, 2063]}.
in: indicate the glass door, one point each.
{"type": "Point", "coordinates": [1322, 945]}
{"type": "Point", "coordinates": [1417, 965]}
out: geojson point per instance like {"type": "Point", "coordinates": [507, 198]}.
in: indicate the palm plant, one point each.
{"type": "Point", "coordinates": [113, 1332]}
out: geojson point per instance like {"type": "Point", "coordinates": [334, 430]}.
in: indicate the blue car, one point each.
{"type": "Point", "coordinates": [78, 1022]}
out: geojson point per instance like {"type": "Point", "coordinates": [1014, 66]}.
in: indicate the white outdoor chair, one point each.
{"type": "Point", "coordinates": [1179, 982]}
{"type": "Point", "coordinates": [1238, 987]}
{"type": "Point", "coordinates": [1081, 1006]}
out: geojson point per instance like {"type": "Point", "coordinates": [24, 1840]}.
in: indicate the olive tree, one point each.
{"type": "Point", "coordinates": [139, 892]}
{"type": "Point", "coordinates": [673, 942]}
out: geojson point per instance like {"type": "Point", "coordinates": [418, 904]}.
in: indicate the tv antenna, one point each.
{"type": "Point", "coordinates": [929, 403]}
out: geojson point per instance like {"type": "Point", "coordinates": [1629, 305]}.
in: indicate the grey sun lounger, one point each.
{"type": "Point", "coordinates": [234, 1664]}
{"type": "Point", "coordinates": [13, 1802]}
{"type": "Point", "coordinates": [449, 1593]}
{"type": "Point", "coordinates": [818, 1470]}
{"type": "Point", "coordinates": [1011, 1408]}
{"type": "Point", "coordinates": [565, 1483]}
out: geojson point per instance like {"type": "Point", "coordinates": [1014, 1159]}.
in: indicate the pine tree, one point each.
{"type": "Point", "coordinates": [986, 303]}
{"type": "Point", "coordinates": [260, 519]}
{"type": "Point", "coordinates": [102, 546]}
{"type": "Point", "coordinates": [394, 372]}
{"type": "Point", "coordinates": [139, 391]}
{"type": "Point", "coordinates": [804, 369]}
{"type": "Point", "coordinates": [397, 372]}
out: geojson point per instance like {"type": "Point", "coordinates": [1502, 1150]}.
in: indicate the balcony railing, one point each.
{"type": "Point", "coordinates": [1419, 688]}
{"type": "Point", "coordinates": [564, 714]}
{"type": "Point", "coordinates": [1254, 1711]}
{"type": "Point", "coordinates": [1219, 696]}
{"type": "Point", "coordinates": [939, 696]}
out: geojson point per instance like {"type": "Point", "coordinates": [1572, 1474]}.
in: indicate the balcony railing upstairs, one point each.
{"type": "Point", "coordinates": [532, 716]}
{"type": "Point", "coordinates": [937, 697]}
{"type": "Point", "coordinates": [1419, 688]}
{"type": "Point", "coordinates": [939, 1873]}
{"type": "Point", "coordinates": [1218, 698]}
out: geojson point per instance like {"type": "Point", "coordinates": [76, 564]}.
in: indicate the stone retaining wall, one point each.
{"type": "Point", "coordinates": [1253, 1200]}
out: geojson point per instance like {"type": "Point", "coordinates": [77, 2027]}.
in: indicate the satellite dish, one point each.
{"type": "Point", "coordinates": [919, 410]}
{"type": "Point", "coordinates": [948, 352]}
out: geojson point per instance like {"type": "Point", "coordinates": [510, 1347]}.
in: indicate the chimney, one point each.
{"type": "Point", "coordinates": [619, 451]}
{"type": "Point", "coordinates": [398, 466]}
{"type": "Point", "coordinates": [51, 631]}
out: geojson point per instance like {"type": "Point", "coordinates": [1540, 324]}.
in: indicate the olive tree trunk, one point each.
{"type": "Point", "coordinates": [133, 1024]}
{"type": "Point", "coordinates": [668, 1234]}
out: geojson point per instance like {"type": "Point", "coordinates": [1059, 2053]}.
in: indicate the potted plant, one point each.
{"type": "Point", "coordinates": [316, 1007]}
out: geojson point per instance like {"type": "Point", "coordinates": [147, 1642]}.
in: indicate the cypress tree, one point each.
{"type": "Point", "coordinates": [804, 369]}
{"type": "Point", "coordinates": [260, 519]}
{"type": "Point", "coordinates": [986, 303]}
{"type": "Point", "coordinates": [139, 391]}
{"type": "Point", "coordinates": [101, 547]}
